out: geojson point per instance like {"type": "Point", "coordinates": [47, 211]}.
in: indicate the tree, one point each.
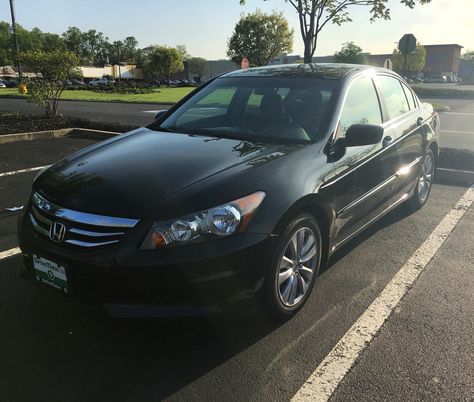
{"type": "Point", "coordinates": [52, 70]}
{"type": "Point", "coordinates": [167, 61]}
{"type": "Point", "coordinates": [350, 53]}
{"type": "Point", "coordinates": [74, 41]}
{"type": "Point", "coordinates": [198, 66]}
{"type": "Point", "coordinates": [183, 52]}
{"type": "Point", "coordinates": [6, 44]}
{"type": "Point", "coordinates": [314, 15]}
{"type": "Point", "coordinates": [468, 56]}
{"type": "Point", "coordinates": [415, 61]}
{"type": "Point", "coordinates": [129, 48]}
{"type": "Point", "coordinates": [260, 37]}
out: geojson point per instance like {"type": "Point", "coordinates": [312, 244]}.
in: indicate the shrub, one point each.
{"type": "Point", "coordinates": [52, 69]}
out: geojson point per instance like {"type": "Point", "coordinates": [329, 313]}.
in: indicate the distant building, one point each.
{"type": "Point", "coordinates": [124, 72]}
{"type": "Point", "coordinates": [218, 67]}
{"type": "Point", "coordinates": [466, 71]}
{"type": "Point", "coordinates": [443, 59]}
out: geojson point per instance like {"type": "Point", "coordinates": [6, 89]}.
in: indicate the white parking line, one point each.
{"type": "Point", "coordinates": [150, 111]}
{"type": "Point", "coordinates": [457, 132]}
{"type": "Point", "coordinates": [459, 113]}
{"type": "Point", "coordinates": [332, 370]}
{"type": "Point", "coordinates": [28, 170]}
{"type": "Point", "coordinates": [9, 253]}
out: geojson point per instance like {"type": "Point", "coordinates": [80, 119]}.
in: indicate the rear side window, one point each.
{"type": "Point", "coordinates": [409, 94]}
{"type": "Point", "coordinates": [394, 95]}
{"type": "Point", "coordinates": [361, 106]}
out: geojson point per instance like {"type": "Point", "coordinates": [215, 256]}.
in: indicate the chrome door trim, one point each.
{"type": "Point", "coordinates": [404, 197]}
{"type": "Point", "coordinates": [401, 172]}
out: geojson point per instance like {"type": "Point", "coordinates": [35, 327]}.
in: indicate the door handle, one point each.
{"type": "Point", "coordinates": [387, 141]}
{"type": "Point", "coordinates": [420, 121]}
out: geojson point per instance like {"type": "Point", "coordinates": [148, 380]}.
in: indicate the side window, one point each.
{"type": "Point", "coordinates": [394, 95]}
{"type": "Point", "coordinates": [409, 94]}
{"type": "Point", "coordinates": [361, 106]}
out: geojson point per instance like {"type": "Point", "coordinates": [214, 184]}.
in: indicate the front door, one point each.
{"type": "Point", "coordinates": [363, 186]}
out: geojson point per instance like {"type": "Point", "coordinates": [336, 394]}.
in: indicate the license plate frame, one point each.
{"type": "Point", "coordinates": [50, 273]}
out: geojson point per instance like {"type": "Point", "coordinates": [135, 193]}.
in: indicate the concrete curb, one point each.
{"type": "Point", "coordinates": [451, 176]}
{"type": "Point", "coordinates": [63, 132]}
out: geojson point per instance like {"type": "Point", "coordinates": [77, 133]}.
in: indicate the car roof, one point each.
{"type": "Point", "coordinates": [334, 71]}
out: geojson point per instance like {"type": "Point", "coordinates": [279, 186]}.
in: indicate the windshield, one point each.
{"type": "Point", "coordinates": [255, 108]}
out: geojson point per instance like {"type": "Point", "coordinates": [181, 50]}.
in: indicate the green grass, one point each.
{"type": "Point", "coordinates": [167, 95]}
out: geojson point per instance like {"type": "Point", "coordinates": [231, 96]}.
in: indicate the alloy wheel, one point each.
{"type": "Point", "coordinates": [297, 266]}
{"type": "Point", "coordinates": [426, 179]}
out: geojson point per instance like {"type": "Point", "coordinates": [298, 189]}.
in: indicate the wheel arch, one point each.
{"type": "Point", "coordinates": [321, 211]}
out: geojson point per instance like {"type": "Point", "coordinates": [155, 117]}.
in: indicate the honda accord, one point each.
{"type": "Point", "coordinates": [241, 191]}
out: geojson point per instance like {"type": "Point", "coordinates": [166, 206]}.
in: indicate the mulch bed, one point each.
{"type": "Point", "coordinates": [12, 122]}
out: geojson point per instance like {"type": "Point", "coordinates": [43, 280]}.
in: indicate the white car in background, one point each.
{"type": "Point", "coordinates": [99, 81]}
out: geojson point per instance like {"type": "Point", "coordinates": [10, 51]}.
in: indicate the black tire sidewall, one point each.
{"type": "Point", "coordinates": [271, 293]}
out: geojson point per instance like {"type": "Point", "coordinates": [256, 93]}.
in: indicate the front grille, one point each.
{"type": "Point", "coordinates": [78, 229]}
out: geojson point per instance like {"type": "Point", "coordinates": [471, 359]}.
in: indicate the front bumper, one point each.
{"type": "Point", "coordinates": [126, 281]}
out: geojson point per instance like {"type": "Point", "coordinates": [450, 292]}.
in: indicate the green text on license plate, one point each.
{"type": "Point", "coordinates": [50, 273]}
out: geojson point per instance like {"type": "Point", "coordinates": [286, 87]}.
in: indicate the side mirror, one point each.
{"type": "Point", "coordinates": [160, 114]}
{"type": "Point", "coordinates": [358, 135]}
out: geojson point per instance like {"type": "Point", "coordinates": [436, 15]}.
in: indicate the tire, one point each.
{"type": "Point", "coordinates": [424, 182]}
{"type": "Point", "coordinates": [284, 297]}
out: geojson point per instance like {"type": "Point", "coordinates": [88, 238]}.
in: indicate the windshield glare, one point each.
{"type": "Point", "coordinates": [255, 108]}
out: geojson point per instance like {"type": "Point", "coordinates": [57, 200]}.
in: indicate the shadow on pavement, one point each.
{"type": "Point", "coordinates": [55, 350]}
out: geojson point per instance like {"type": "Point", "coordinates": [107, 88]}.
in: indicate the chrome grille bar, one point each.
{"type": "Point", "coordinates": [81, 217]}
{"type": "Point", "coordinates": [82, 229]}
{"type": "Point", "coordinates": [37, 226]}
{"type": "Point", "coordinates": [94, 234]}
{"type": "Point", "coordinates": [87, 244]}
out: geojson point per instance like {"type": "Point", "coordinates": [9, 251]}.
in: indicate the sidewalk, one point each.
{"type": "Point", "coordinates": [425, 351]}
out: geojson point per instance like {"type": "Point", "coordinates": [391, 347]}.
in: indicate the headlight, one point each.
{"type": "Point", "coordinates": [217, 222]}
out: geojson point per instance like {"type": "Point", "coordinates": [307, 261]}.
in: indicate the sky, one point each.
{"type": "Point", "coordinates": [205, 25]}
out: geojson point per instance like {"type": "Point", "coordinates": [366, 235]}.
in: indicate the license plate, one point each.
{"type": "Point", "coordinates": [50, 273]}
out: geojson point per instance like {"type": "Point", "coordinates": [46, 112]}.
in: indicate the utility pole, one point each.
{"type": "Point", "coordinates": [15, 37]}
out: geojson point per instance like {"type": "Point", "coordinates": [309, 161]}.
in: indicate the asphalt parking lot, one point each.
{"type": "Point", "coordinates": [54, 350]}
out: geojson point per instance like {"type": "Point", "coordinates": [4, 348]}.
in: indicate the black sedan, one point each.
{"type": "Point", "coordinates": [241, 191]}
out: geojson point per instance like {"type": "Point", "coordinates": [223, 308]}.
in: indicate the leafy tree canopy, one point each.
{"type": "Point", "coordinates": [198, 66]}
{"type": "Point", "coordinates": [415, 61]}
{"type": "Point", "coordinates": [349, 53]}
{"type": "Point", "coordinates": [166, 61]}
{"type": "Point", "coordinates": [314, 15]}
{"type": "Point", "coordinates": [260, 37]}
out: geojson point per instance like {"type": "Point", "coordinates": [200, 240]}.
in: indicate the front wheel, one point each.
{"type": "Point", "coordinates": [425, 181]}
{"type": "Point", "coordinates": [293, 268]}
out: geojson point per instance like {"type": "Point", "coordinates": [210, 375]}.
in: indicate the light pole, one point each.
{"type": "Point", "coordinates": [15, 37]}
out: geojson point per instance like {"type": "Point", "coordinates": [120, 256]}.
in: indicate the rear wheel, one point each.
{"type": "Point", "coordinates": [425, 181]}
{"type": "Point", "coordinates": [293, 269]}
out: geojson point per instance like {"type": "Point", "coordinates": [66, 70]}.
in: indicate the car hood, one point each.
{"type": "Point", "coordinates": [130, 176]}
